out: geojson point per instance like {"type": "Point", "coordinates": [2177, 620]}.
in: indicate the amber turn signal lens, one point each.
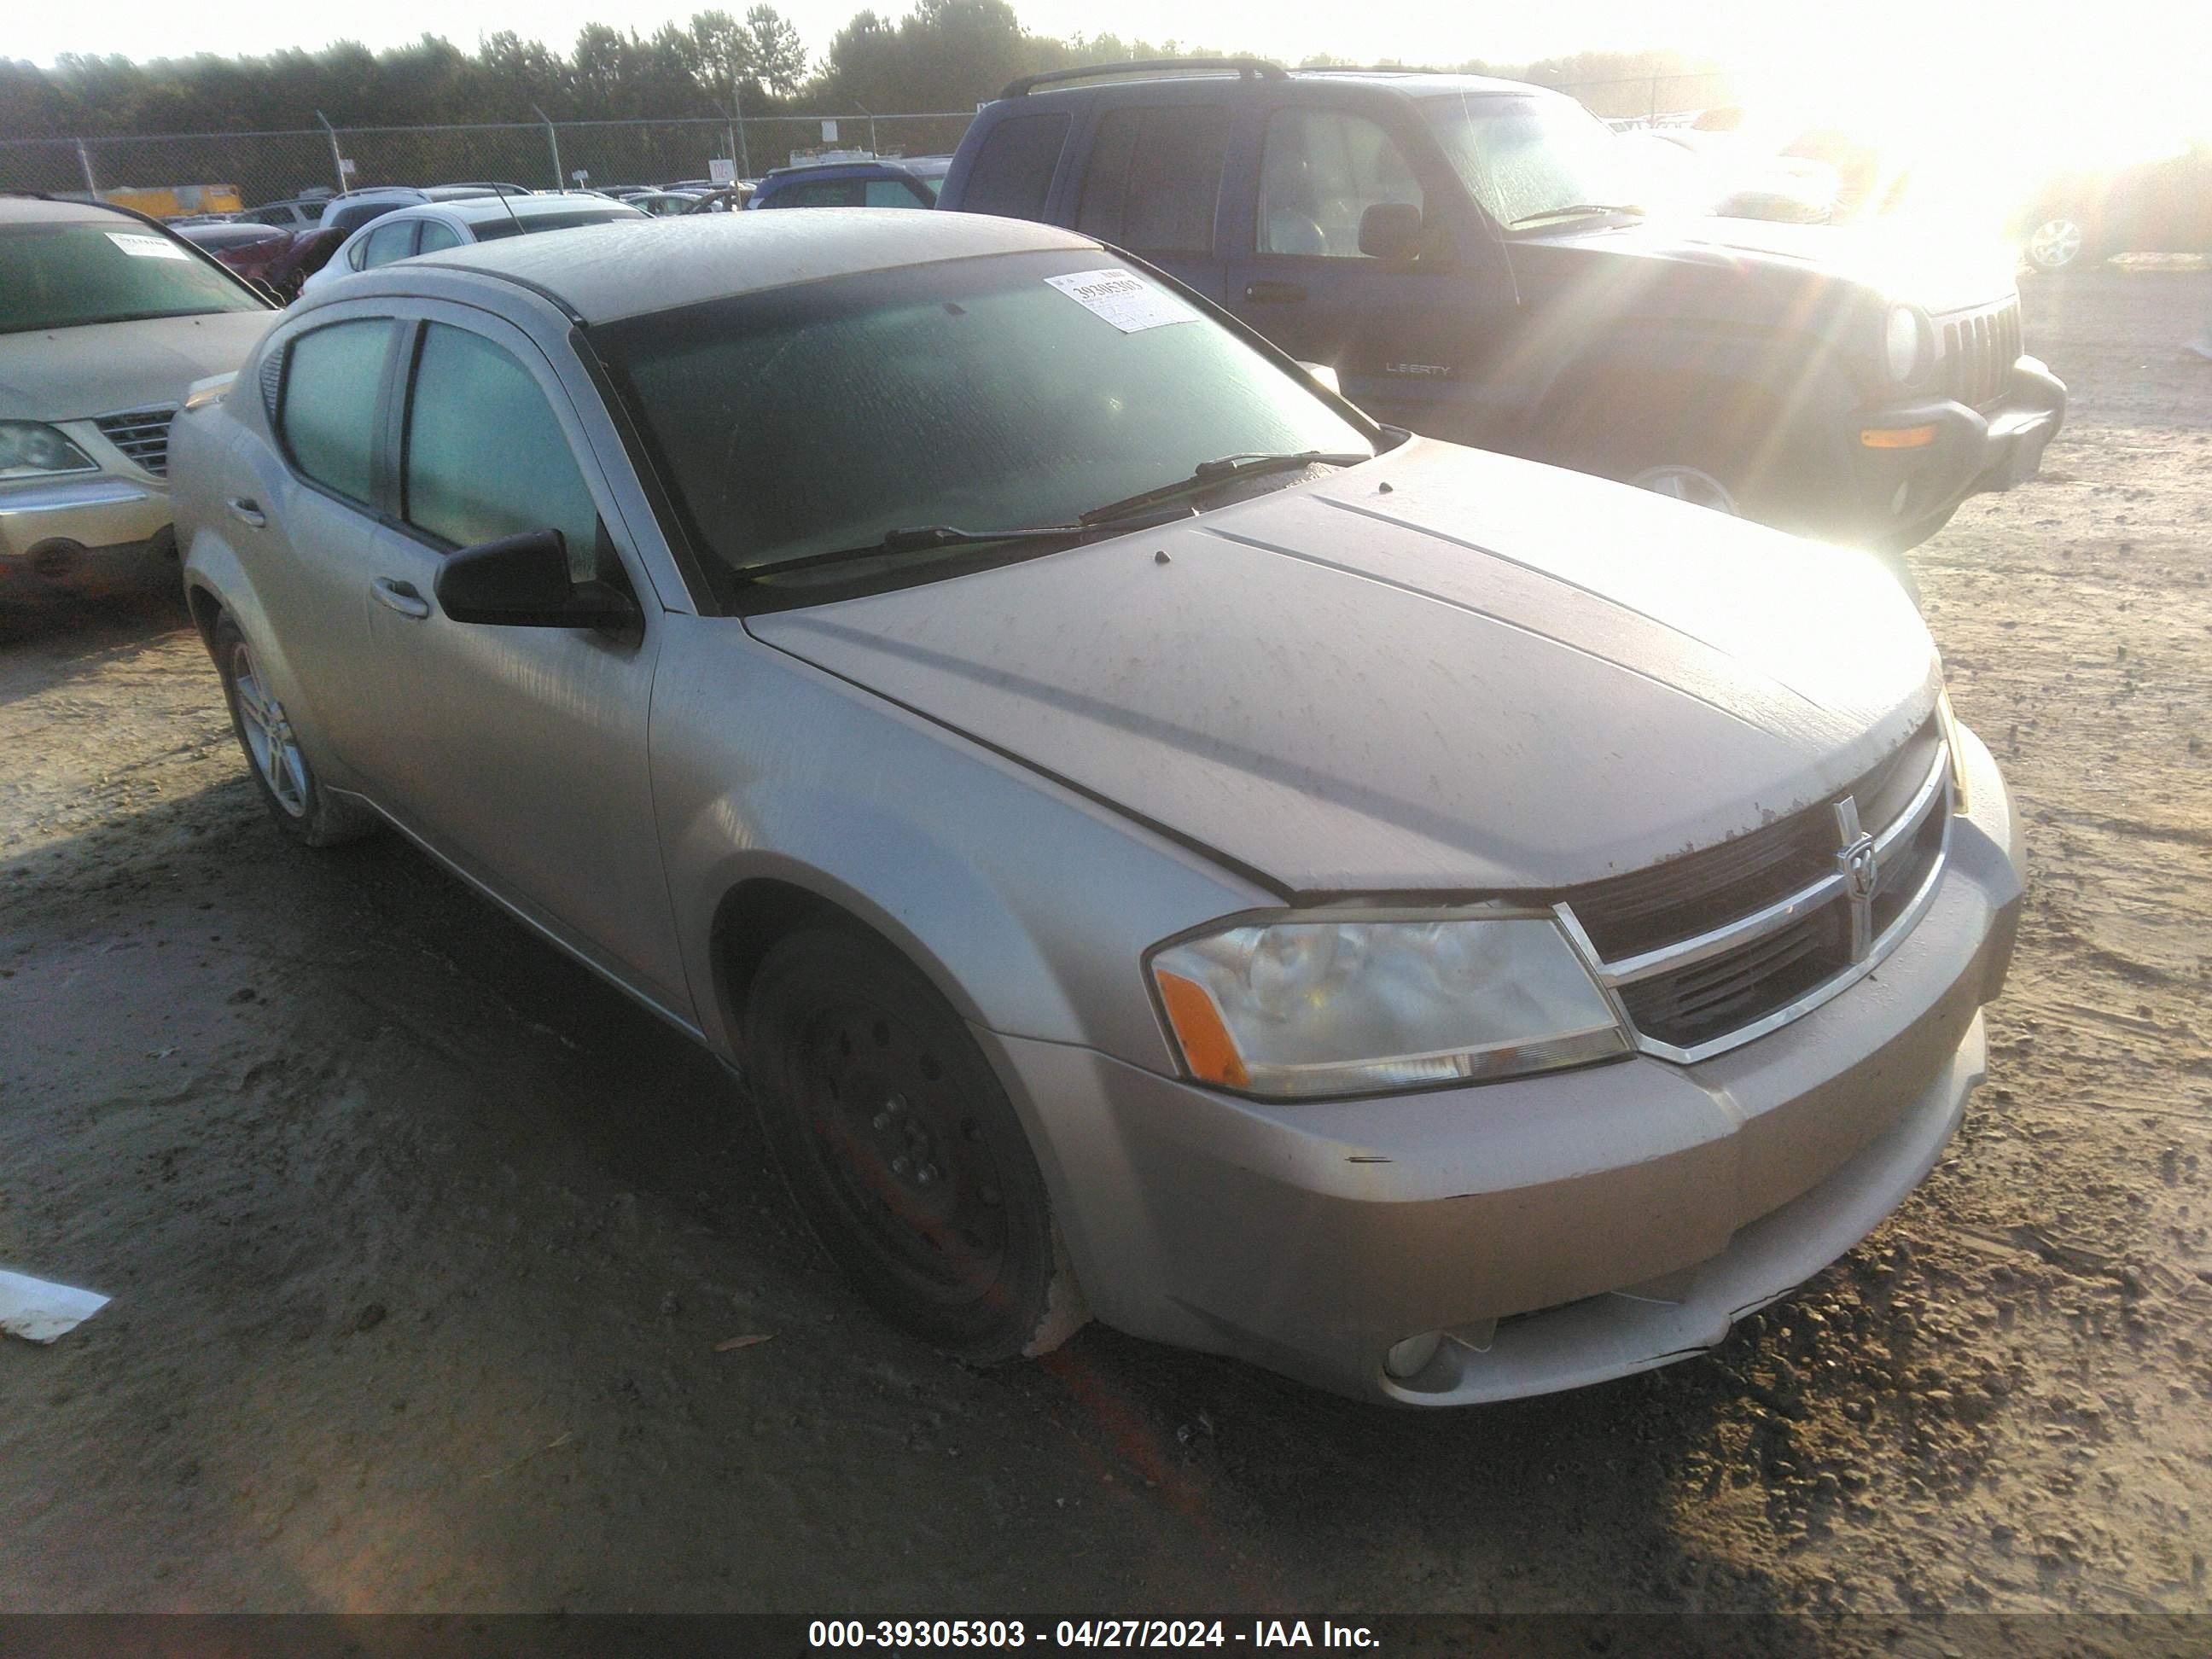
{"type": "Point", "coordinates": [1207, 1047]}
{"type": "Point", "coordinates": [1896, 437]}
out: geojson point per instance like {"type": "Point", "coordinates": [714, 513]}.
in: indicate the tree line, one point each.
{"type": "Point", "coordinates": [943, 55]}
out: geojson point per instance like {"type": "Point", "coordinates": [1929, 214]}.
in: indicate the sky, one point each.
{"type": "Point", "coordinates": [2051, 77]}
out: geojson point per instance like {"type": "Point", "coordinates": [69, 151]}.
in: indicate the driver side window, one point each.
{"type": "Point", "coordinates": [1320, 172]}
{"type": "Point", "coordinates": [485, 456]}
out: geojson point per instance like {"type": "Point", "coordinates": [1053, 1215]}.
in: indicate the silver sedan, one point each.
{"type": "Point", "coordinates": [1158, 845]}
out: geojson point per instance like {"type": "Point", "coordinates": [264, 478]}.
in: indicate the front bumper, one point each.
{"type": "Point", "coordinates": [1614, 1217]}
{"type": "Point", "coordinates": [93, 534]}
{"type": "Point", "coordinates": [1901, 489]}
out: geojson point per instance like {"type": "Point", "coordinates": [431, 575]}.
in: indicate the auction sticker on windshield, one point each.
{"type": "Point", "coordinates": [146, 247]}
{"type": "Point", "coordinates": [1123, 299]}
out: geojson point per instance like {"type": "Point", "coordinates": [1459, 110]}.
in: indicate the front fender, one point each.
{"type": "Point", "coordinates": [1028, 905]}
{"type": "Point", "coordinates": [1803, 377]}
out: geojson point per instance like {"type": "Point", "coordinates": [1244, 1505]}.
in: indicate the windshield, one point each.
{"type": "Point", "coordinates": [1525, 157]}
{"type": "Point", "coordinates": [65, 275]}
{"type": "Point", "coordinates": [985, 393]}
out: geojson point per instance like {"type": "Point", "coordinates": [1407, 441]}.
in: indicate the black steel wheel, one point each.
{"type": "Point", "coordinates": [901, 1148]}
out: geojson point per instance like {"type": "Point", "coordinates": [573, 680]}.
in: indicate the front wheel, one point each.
{"type": "Point", "coordinates": [902, 1150]}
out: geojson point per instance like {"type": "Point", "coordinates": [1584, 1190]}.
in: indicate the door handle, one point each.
{"type": "Point", "coordinates": [401, 596]}
{"type": "Point", "coordinates": [1262, 294]}
{"type": "Point", "coordinates": [246, 510]}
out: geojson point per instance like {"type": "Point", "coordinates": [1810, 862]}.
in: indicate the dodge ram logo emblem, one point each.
{"type": "Point", "coordinates": [1861, 874]}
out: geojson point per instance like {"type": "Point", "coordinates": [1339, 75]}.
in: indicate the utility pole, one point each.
{"type": "Point", "coordinates": [337, 156]}
{"type": "Point", "coordinates": [552, 138]}
{"type": "Point", "coordinates": [84, 160]}
{"type": "Point", "coordinates": [737, 103]}
{"type": "Point", "coordinates": [870, 114]}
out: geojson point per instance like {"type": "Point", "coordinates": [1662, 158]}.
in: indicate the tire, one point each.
{"type": "Point", "coordinates": [1684, 446]}
{"type": "Point", "coordinates": [902, 1151]}
{"type": "Point", "coordinates": [2058, 240]}
{"type": "Point", "coordinates": [274, 758]}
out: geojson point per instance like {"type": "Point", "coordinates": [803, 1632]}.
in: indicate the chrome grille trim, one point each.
{"type": "Point", "coordinates": [1891, 845]}
{"type": "Point", "coordinates": [142, 434]}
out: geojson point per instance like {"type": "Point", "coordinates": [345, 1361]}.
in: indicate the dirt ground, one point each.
{"type": "Point", "coordinates": [423, 1244]}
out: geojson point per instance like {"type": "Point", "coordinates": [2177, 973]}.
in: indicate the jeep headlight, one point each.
{"type": "Point", "coordinates": [29, 450]}
{"type": "Point", "coordinates": [1904, 345]}
{"type": "Point", "coordinates": [1314, 1005]}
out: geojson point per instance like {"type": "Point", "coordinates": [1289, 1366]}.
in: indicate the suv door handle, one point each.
{"type": "Point", "coordinates": [246, 510]}
{"type": "Point", "coordinates": [401, 596]}
{"type": "Point", "coordinates": [1261, 294]}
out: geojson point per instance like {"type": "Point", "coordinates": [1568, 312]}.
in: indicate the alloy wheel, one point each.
{"type": "Point", "coordinates": [268, 736]}
{"type": "Point", "coordinates": [2055, 244]}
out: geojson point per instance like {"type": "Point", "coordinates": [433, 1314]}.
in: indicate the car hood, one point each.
{"type": "Point", "coordinates": [1911, 260]}
{"type": "Point", "coordinates": [67, 373]}
{"type": "Point", "coordinates": [1442, 671]}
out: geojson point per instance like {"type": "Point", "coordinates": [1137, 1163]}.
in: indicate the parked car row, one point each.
{"type": "Point", "coordinates": [1010, 811]}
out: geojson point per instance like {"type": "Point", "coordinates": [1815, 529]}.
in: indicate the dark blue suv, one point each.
{"type": "Point", "coordinates": [1470, 256]}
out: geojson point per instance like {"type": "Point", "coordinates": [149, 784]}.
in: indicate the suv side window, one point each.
{"type": "Point", "coordinates": [485, 456]}
{"type": "Point", "coordinates": [328, 416]}
{"type": "Point", "coordinates": [1321, 170]}
{"type": "Point", "coordinates": [1013, 172]}
{"type": "Point", "coordinates": [1154, 176]}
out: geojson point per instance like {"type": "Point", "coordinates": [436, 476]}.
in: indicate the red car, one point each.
{"type": "Point", "coordinates": [248, 249]}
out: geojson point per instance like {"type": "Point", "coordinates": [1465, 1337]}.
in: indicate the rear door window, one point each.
{"type": "Point", "coordinates": [332, 377]}
{"type": "Point", "coordinates": [1154, 177]}
{"type": "Point", "coordinates": [436, 235]}
{"type": "Point", "coordinates": [388, 242]}
{"type": "Point", "coordinates": [1013, 171]}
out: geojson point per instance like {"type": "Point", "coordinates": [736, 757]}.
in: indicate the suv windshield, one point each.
{"type": "Point", "coordinates": [985, 393]}
{"type": "Point", "coordinates": [1529, 158]}
{"type": "Point", "coordinates": [68, 274]}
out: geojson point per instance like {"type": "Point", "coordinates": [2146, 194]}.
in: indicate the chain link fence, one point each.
{"type": "Point", "coordinates": [217, 171]}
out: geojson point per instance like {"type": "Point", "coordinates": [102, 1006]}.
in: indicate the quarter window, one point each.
{"type": "Point", "coordinates": [332, 378]}
{"type": "Point", "coordinates": [1154, 177]}
{"type": "Point", "coordinates": [485, 455]}
{"type": "Point", "coordinates": [1321, 171]}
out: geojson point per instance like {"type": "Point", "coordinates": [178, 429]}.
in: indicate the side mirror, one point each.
{"type": "Point", "coordinates": [1390, 230]}
{"type": "Point", "coordinates": [522, 581]}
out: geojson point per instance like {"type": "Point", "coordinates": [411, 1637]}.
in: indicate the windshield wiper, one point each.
{"type": "Point", "coordinates": [1573, 210]}
{"type": "Point", "coordinates": [923, 538]}
{"type": "Point", "coordinates": [1207, 474]}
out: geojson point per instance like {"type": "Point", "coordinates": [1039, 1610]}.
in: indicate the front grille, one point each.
{"type": "Point", "coordinates": [1710, 949]}
{"type": "Point", "coordinates": [1978, 353]}
{"type": "Point", "coordinates": [142, 434]}
{"type": "Point", "coordinates": [1626, 915]}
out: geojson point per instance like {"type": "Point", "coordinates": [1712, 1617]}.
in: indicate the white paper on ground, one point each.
{"type": "Point", "coordinates": [1123, 299]}
{"type": "Point", "coordinates": [33, 1308]}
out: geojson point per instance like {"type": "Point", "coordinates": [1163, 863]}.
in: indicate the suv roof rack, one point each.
{"type": "Point", "coordinates": [1250, 69]}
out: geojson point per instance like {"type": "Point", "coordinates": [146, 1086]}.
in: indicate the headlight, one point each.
{"type": "Point", "coordinates": [29, 450]}
{"type": "Point", "coordinates": [1904, 345]}
{"type": "Point", "coordinates": [1306, 1005]}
